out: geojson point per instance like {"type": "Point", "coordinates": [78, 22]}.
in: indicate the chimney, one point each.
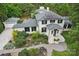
{"type": "Point", "coordinates": [47, 8]}
{"type": "Point", "coordinates": [41, 7]}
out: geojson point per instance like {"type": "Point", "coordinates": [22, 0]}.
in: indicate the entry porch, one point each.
{"type": "Point", "coordinates": [54, 35]}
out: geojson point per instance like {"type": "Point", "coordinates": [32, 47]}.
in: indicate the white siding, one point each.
{"type": "Point", "coordinates": [42, 25]}
{"type": "Point", "coordinates": [32, 31]}
{"type": "Point", "coordinates": [19, 29]}
{"type": "Point", "coordinates": [51, 37]}
{"type": "Point", "coordinates": [48, 22]}
{"type": "Point", "coordinates": [61, 24]}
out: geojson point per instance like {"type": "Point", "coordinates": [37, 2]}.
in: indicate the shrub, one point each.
{"type": "Point", "coordinates": [19, 42]}
{"type": "Point", "coordinates": [20, 21]}
{"type": "Point", "coordinates": [37, 37]}
{"type": "Point", "coordinates": [19, 38]}
{"type": "Point", "coordinates": [9, 46]}
{"type": "Point", "coordinates": [30, 52]}
{"type": "Point", "coordinates": [24, 53]}
{"type": "Point", "coordinates": [1, 27]}
{"type": "Point", "coordinates": [14, 34]}
{"type": "Point", "coordinates": [56, 39]}
{"type": "Point", "coordinates": [34, 52]}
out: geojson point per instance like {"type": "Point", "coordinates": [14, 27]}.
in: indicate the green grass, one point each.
{"type": "Point", "coordinates": [64, 53]}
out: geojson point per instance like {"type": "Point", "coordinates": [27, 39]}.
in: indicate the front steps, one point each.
{"type": "Point", "coordinates": [56, 39]}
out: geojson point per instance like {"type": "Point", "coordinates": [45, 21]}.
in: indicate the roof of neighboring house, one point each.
{"type": "Point", "coordinates": [43, 14]}
{"type": "Point", "coordinates": [26, 23]}
{"type": "Point", "coordinates": [12, 20]}
{"type": "Point", "coordinates": [54, 26]}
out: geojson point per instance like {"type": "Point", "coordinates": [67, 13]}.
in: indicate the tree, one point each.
{"type": "Point", "coordinates": [26, 9]}
{"type": "Point", "coordinates": [3, 13]}
{"type": "Point", "coordinates": [13, 10]}
{"type": "Point", "coordinates": [1, 27]}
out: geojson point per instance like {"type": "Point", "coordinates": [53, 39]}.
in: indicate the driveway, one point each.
{"type": "Point", "coordinates": [5, 37]}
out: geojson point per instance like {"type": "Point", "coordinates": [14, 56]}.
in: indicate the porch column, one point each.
{"type": "Point", "coordinates": [67, 26]}
{"type": "Point", "coordinates": [50, 38]}
{"type": "Point", "coordinates": [30, 29]}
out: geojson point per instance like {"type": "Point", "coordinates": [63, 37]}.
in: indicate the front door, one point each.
{"type": "Point", "coordinates": [55, 32]}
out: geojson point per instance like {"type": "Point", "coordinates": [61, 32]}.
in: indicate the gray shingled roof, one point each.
{"type": "Point", "coordinates": [66, 19]}
{"type": "Point", "coordinates": [67, 22]}
{"type": "Point", "coordinates": [12, 20]}
{"type": "Point", "coordinates": [43, 14]}
{"type": "Point", "coordinates": [54, 26]}
{"type": "Point", "coordinates": [26, 23]}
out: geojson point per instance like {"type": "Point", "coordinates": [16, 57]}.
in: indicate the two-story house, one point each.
{"type": "Point", "coordinates": [46, 22]}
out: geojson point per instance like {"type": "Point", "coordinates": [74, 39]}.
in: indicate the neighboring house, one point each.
{"type": "Point", "coordinates": [46, 22]}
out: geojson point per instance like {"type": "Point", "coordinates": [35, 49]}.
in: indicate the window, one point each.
{"type": "Point", "coordinates": [65, 25]}
{"type": "Point", "coordinates": [27, 29]}
{"type": "Point", "coordinates": [52, 21]}
{"type": "Point", "coordinates": [60, 21]}
{"type": "Point", "coordinates": [44, 21]}
{"type": "Point", "coordinates": [69, 25]}
{"type": "Point", "coordinates": [44, 29]}
{"type": "Point", "coordinates": [33, 28]}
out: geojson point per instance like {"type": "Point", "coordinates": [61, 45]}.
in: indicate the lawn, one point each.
{"type": "Point", "coordinates": [64, 53]}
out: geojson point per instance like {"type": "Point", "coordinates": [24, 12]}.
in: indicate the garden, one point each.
{"type": "Point", "coordinates": [23, 39]}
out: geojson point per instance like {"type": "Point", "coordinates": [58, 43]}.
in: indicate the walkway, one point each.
{"type": "Point", "coordinates": [5, 37]}
{"type": "Point", "coordinates": [49, 47]}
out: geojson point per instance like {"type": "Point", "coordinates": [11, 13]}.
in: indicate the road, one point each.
{"type": "Point", "coordinates": [5, 37]}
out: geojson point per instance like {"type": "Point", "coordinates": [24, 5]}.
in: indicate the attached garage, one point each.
{"type": "Point", "coordinates": [10, 22]}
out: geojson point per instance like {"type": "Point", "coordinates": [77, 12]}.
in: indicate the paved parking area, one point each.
{"type": "Point", "coordinates": [5, 37]}
{"type": "Point", "coordinates": [59, 47]}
